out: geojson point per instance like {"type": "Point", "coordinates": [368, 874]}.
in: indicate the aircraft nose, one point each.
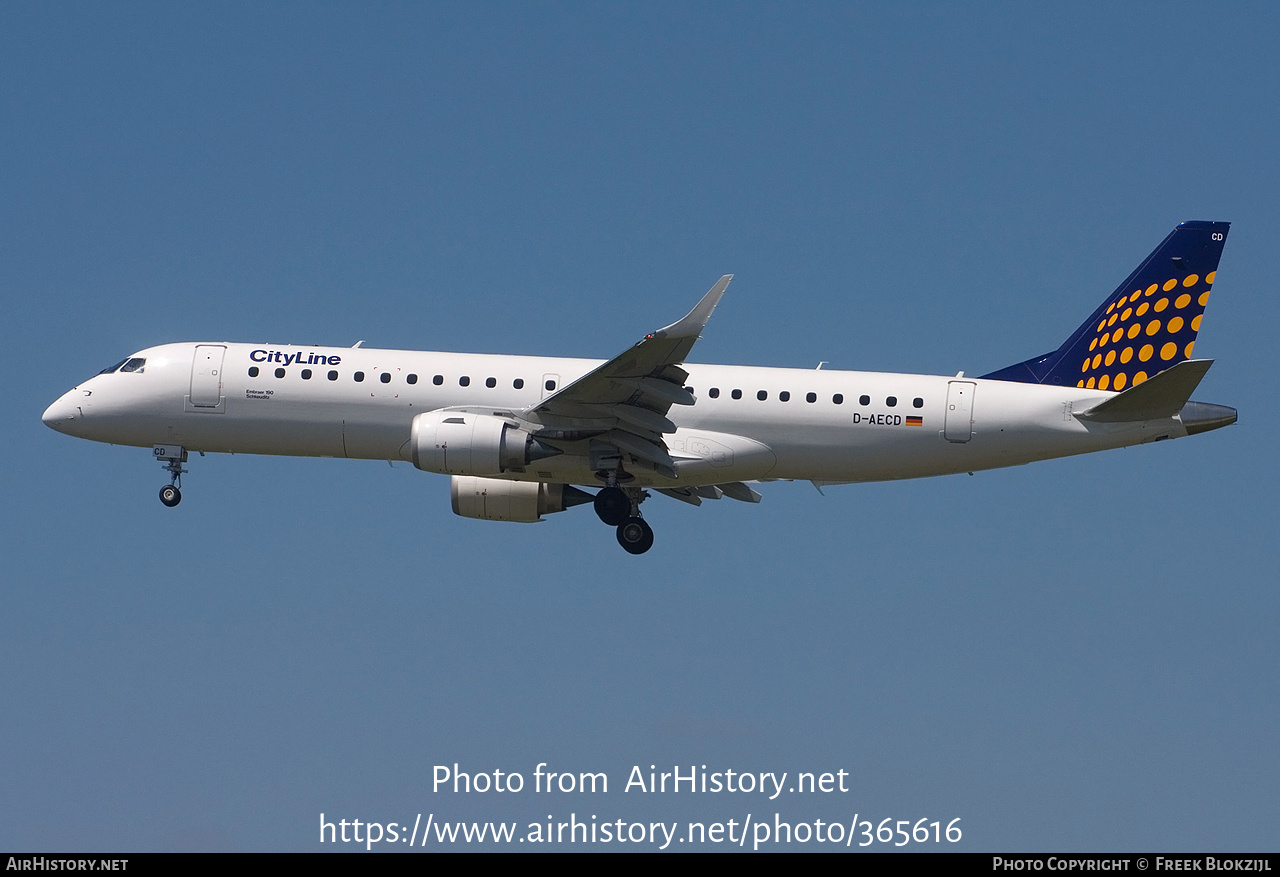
{"type": "Point", "coordinates": [64, 412]}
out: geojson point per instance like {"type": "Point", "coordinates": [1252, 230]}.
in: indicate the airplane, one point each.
{"type": "Point", "coordinates": [521, 436]}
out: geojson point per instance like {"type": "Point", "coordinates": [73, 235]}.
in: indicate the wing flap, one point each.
{"type": "Point", "coordinates": [739, 491]}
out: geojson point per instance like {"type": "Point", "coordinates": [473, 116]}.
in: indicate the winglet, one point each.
{"type": "Point", "coordinates": [691, 325]}
{"type": "Point", "coordinates": [1161, 396]}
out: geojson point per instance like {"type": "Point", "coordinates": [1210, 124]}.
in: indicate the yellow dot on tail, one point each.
{"type": "Point", "coordinates": [1111, 307]}
{"type": "Point", "coordinates": [1089, 385]}
{"type": "Point", "coordinates": [1084, 366]}
{"type": "Point", "coordinates": [1111, 357]}
{"type": "Point", "coordinates": [1145, 353]}
{"type": "Point", "coordinates": [1204, 298]}
{"type": "Point", "coordinates": [1097, 358]}
{"type": "Point", "coordinates": [1208, 278]}
{"type": "Point", "coordinates": [1142, 308]}
{"type": "Point", "coordinates": [1190, 346]}
{"type": "Point", "coordinates": [1093, 343]}
{"type": "Point", "coordinates": [1169, 351]}
{"type": "Point", "coordinates": [1126, 354]}
{"type": "Point", "coordinates": [1161, 305]}
{"type": "Point", "coordinates": [1190, 280]}
{"type": "Point", "coordinates": [1134, 330]}
{"type": "Point", "coordinates": [1170, 284]}
{"type": "Point", "coordinates": [1175, 325]}
{"type": "Point", "coordinates": [1117, 334]}
{"type": "Point", "coordinates": [1112, 321]}
{"type": "Point", "coordinates": [1139, 378]}
{"type": "Point", "coordinates": [1119, 385]}
{"type": "Point", "coordinates": [1102, 325]}
{"type": "Point", "coordinates": [1153, 327]}
{"type": "Point", "coordinates": [1195, 322]}
{"type": "Point", "coordinates": [1183, 301]}
{"type": "Point", "coordinates": [1102, 382]}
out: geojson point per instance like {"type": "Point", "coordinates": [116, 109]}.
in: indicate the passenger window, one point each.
{"type": "Point", "coordinates": [891, 401]}
{"type": "Point", "coordinates": [464, 381]}
{"type": "Point", "coordinates": [333, 375]}
{"type": "Point", "coordinates": [518, 383]}
{"type": "Point", "coordinates": [385, 377]}
{"type": "Point", "coordinates": [737, 394]}
{"type": "Point", "coordinates": [864, 400]}
{"type": "Point", "coordinates": [359, 376]}
{"type": "Point", "coordinates": [811, 397]}
{"type": "Point", "coordinates": [838, 398]}
{"type": "Point", "coordinates": [411, 379]}
{"type": "Point", "coordinates": [253, 371]}
{"type": "Point", "coordinates": [491, 382]}
{"type": "Point", "coordinates": [917, 402]}
{"type": "Point", "coordinates": [306, 374]}
{"type": "Point", "coordinates": [762, 395]}
{"type": "Point", "coordinates": [438, 380]}
{"type": "Point", "coordinates": [551, 385]}
{"type": "Point", "coordinates": [714, 392]}
{"type": "Point", "coordinates": [279, 372]}
{"type": "Point", "coordinates": [784, 396]}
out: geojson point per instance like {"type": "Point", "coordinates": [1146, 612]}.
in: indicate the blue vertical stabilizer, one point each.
{"type": "Point", "coordinates": [1147, 325]}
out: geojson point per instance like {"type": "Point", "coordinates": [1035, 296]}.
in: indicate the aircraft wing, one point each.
{"type": "Point", "coordinates": [624, 403]}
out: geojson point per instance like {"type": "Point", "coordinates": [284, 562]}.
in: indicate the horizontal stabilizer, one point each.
{"type": "Point", "coordinates": [1153, 399]}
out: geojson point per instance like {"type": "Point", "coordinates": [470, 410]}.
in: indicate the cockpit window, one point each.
{"type": "Point", "coordinates": [110, 369]}
{"type": "Point", "coordinates": [134, 365]}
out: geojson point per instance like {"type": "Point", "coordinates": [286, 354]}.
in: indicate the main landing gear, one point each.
{"type": "Point", "coordinates": [173, 456]}
{"type": "Point", "coordinates": [620, 507]}
{"type": "Point", "coordinates": [635, 535]}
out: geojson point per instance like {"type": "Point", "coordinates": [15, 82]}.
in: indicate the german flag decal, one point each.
{"type": "Point", "coordinates": [915, 421]}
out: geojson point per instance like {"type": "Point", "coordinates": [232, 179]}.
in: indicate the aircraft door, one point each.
{"type": "Point", "coordinates": [959, 418]}
{"type": "Point", "coordinates": [206, 376]}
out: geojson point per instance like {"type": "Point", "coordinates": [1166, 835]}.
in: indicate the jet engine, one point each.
{"type": "Point", "coordinates": [462, 443]}
{"type": "Point", "coordinates": [496, 499]}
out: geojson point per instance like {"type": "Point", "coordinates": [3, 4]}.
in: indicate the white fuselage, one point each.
{"type": "Point", "coordinates": [860, 426]}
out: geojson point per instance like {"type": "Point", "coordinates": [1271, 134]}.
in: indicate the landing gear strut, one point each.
{"type": "Point", "coordinates": [173, 456]}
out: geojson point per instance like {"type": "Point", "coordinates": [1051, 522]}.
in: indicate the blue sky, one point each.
{"type": "Point", "coordinates": [1078, 654]}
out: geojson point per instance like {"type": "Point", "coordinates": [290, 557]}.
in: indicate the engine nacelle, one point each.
{"type": "Point", "coordinates": [496, 499]}
{"type": "Point", "coordinates": [462, 443]}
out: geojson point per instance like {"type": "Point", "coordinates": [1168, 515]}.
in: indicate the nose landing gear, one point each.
{"type": "Point", "coordinates": [173, 456]}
